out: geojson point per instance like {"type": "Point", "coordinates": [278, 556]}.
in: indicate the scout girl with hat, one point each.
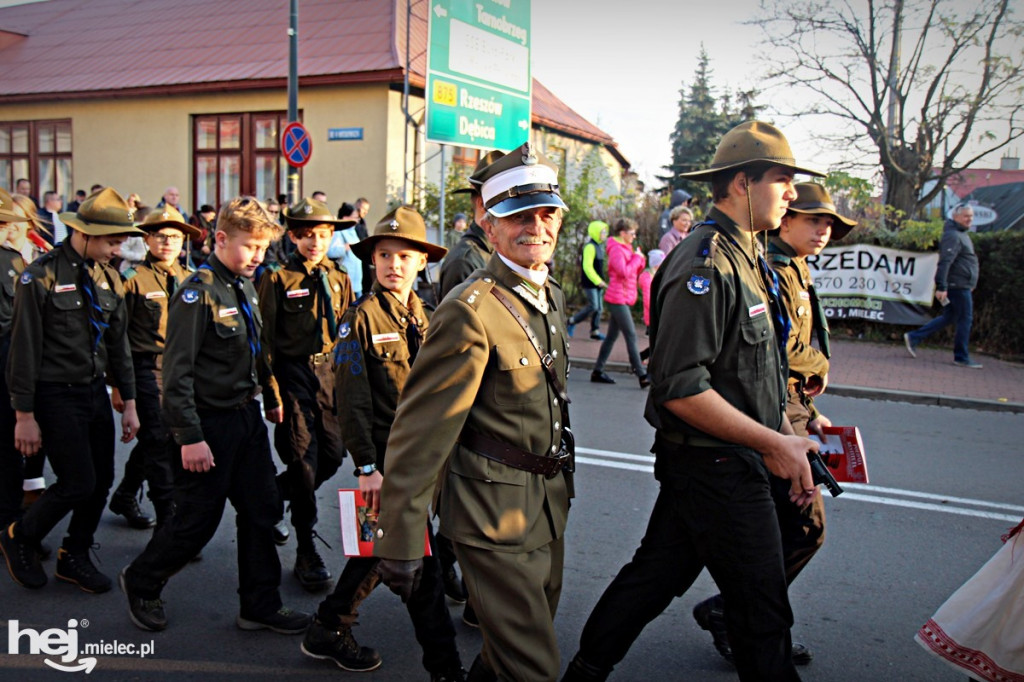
{"type": "Point", "coordinates": [70, 329]}
{"type": "Point", "coordinates": [148, 291]}
{"type": "Point", "coordinates": [302, 303]}
{"type": "Point", "coordinates": [378, 340]}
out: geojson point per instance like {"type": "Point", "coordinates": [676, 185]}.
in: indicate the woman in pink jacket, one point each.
{"type": "Point", "coordinates": [624, 266]}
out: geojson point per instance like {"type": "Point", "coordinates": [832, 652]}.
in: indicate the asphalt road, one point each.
{"type": "Point", "coordinates": [945, 483]}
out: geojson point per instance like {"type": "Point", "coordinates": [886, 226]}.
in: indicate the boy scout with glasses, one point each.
{"type": "Point", "coordinates": [302, 303]}
{"type": "Point", "coordinates": [70, 329]}
{"type": "Point", "coordinates": [378, 341]}
{"type": "Point", "coordinates": [148, 290]}
{"type": "Point", "coordinates": [214, 367]}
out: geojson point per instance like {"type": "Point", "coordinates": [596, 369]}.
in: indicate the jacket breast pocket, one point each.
{"type": "Point", "coordinates": [756, 334]}
{"type": "Point", "coordinates": [67, 307]}
{"type": "Point", "coordinates": [297, 305]}
{"type": "Point", "coordinates": [231, 334]}
{"type": "Point", "coordinates": [393, 359]}
{"type": "Point", "coordinates": [520, 377]}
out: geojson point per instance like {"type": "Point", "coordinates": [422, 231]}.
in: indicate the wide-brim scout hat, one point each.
{"type": "Point", "coordinates": [168, 216]}
{"type": "Point", "coordinates": [814, 199]}
{"type": "Point", "coordinates": [475, 180]}
{"type": "Point", "coordinates": [7, 214]}
{"type": "Point", "coordinates": [751, 142]}
{"type": "Point", "coordinates": [103, 214]}
{"type": "Point", "coordinates": [522, 179]}
{"type": "Point", "coordinates": [309, 212]}
{"type": "Point", "coordinates": [403, 223]}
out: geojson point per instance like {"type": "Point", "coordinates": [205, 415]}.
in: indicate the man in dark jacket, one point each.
{"type": "Point", "coordinates": [955, 279]}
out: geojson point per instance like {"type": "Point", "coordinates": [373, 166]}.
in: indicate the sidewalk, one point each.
{"type": "Point", "coordinates": [879, 371]}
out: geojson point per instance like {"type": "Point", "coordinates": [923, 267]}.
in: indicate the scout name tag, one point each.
{"type": "Point", "coordinates": [297, 293]}
{"type": "Point", "coordinates": [227, 312]}
{"type": "Point", "coordinates": [759, 309]}
{"type": "Point", "coordinates": [389, 337]}
{"type": "Point", "coordinates": [64, 288]}
{"type": "Point", "coordinates": [155, 294]}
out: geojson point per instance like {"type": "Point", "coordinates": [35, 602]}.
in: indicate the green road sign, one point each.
{"type": "Point", "coordinates": [478, 73]}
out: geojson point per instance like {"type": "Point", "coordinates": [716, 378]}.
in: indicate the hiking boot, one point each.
{"type": "Point", "coordinates": [455, 673]}
{"type": "Point", "coordinates": [128, 507]}
{"type": "Point", "coordinates": [338, 645]}
{"type": "Point", "coordinates": [284, 621]}
{"type": "Point", "coordinates": [453, 587]}
{"type": "Point", "coordinates": [710, 616]}
{"type": "Point", "coordinates": [311, 572]}
{"type": "Point", "coordinates": [281, 533]}
{"type": "Point", "coordinates": [147, 614]}
{"type": "Point", "coordinates": [78, 569]}
{"type": "Point", "coordinates": [22, 560]}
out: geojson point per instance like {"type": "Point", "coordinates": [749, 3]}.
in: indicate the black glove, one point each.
{"type": "Point", "coordinates": [401, 575]}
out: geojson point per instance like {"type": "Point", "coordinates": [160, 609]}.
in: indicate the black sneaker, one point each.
{"type": "Point", "coordinates": [469, 617]}
{"type": "Point", "coordinates": [78, 569]}
{"type": "Point", "coordinates": [128, 507]}
{"type": "Point", "coordinates": [453, 587]}
{"type": "Point", "coordinates": [311, 572]}
{"type": "Point", "coordinates": [710, 616]}
{"type": "Point", "coordinates": [601, 378]}
{"type": "Point", "coordinates": [338, 645]}
{"type": "Point", "coordinates": [281, 533]}
{"type": "Point", "coordinates": [284, 621]}
{"type": "Point", "coordinates": [645, 380]}
{"type": "Point", "coordinates": [22, 560]}
{"type": "Point", "coordinates": [147, 614]}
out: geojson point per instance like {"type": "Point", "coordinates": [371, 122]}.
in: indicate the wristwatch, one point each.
{"type": "Point", "coordinates": [365, 470]}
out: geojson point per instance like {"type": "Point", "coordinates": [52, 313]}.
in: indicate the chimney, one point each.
{"type": "Point", "coordinates": [1009, 163]}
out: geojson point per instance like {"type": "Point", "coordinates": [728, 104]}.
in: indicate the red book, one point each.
{"type": "Point", "coordinates": [842, 450]}
{"type": "Point", "coordinates": [359, 524]}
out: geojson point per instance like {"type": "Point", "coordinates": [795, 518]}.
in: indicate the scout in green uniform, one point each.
{"type": "Point", "coordinates": [148, 290]}
{"type": "Point", "coordinates": [214, 366]}
{"type": "Point", "coordinates": [378, 341]}
{"type": "Point", "coordinates": [302, 304]}
{"type": "Point", "coordinates": [718, 406]}
{"type": "Point", "coordinates": [805, 231]}
{"type": "Point", "coordinates": [473, 249]}
{"type": "Point", "coordinates": [11, 461]}
{"type": "Point", "coordinates": [483, 420]}
{"type": "Point", "coordinates": [70, 328]}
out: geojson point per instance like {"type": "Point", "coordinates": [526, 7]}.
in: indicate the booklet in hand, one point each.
{"type": "Point", "coordinates": [359, 525]}
{"type": "Point", "coordinates": [842, 450]}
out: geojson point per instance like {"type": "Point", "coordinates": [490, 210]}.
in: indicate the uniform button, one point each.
{"type": "Point", "coordinates": [524, 362]}
{"type": "Point", "coordinates": [557, 426]}
{"type": "Point", "coordinates": [553, 330]}
{"type": "Point", "coordinates": [488, 280]}
{"type": "Point", "coordinates": [554, 449]}
{"type": "Point", "coordinates": [403, 320]}
{"type": "Point", "coordinates": [380, 532]}
{"type": "Point", "coordinates": [764, 332]}
{"type": "Point", "coordinates": [554, 401]}
{"type": "Point", "coordinates": [554, 353]}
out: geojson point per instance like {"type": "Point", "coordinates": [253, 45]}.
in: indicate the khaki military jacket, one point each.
{"type": "Point", "coordinates": [290, 305]}
{"type": "Point", "coordinates": [469, 254]}
{"type": "Point", "coordinates": [714, 330]}
{"type": "Point", "coordinates": [147, 293]}
{"type": "Point", "coordinates": [52, 337]}
{"type": "Point", "coordinates": [208, 363]}
{"type": "Point", "coordinates": [11, 267]}
{"type": "Point", "coordinates": [372, 362]}
{"type": "Point", "coordinates": [795, 281]}
{"type": "Point", "coordinates": [477, 370]}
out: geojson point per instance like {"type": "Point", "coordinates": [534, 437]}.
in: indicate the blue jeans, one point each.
{"type": "Point", "coordinates": [960, 312]}
{"type": "Point", "coordinates": [593, 309]}
{"type": "Point", "coordinates": [621, 319]}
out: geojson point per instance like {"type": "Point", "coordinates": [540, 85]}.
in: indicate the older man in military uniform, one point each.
{"type": "Point", "coordinates": [473, 249]}
{"type": "Point", "coordinates": [489, 382]}
{"type": "Point", "coordinates": [148, 291]}
{"type": "Point", "coordinates": [302, 303]}
{"type": "Point", "coordinates": [718, 405]}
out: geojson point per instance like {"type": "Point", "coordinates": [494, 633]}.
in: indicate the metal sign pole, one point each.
{"type": "Point", "coordinates": [293, 93]}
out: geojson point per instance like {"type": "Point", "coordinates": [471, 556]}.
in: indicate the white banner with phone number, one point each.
{"type": "Point", "coordinates": [875, 283]}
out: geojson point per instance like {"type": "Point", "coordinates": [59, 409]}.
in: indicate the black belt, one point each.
{"type": "Point", "coordinates": [314, 359]}
{"type": "Point", "coordinates": [514, 457]}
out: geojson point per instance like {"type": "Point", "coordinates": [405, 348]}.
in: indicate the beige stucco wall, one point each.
{"type": "Point", "coordinates": [144, 144]}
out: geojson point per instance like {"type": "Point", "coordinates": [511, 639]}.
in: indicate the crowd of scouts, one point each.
{"type": "Point", "coordinates": [463, 412]}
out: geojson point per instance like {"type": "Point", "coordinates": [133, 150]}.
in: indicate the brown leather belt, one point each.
{"type": "Point", "coordinates": [514, 457]}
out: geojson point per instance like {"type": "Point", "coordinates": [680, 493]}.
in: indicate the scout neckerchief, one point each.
{"type": "Point", "coordinates": [327, 303]}
{"type": "Point", "coordinates": [95, 311]}
{"type": "Point", "coordinates": [818, 320]}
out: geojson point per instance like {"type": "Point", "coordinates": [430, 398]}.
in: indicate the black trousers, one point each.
{"type": "Point", "coordinates": [244, 474]}
{"type": "Point", "coordinates": [152, 458]}
{"type": "Point", "coordinates": [12, 464]}
{"type": "Point", "coordinates": [77, 426]}
{"type": "Point", "coordinates": [308, 441]}
{"type": "Point", "coordinates": [427, 608]}
{"type": "Point", "coordinates": [715, 509]}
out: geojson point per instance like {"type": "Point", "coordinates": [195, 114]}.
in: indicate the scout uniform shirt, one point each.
{"type": "Point", "coordinates": [377, 342]}
{"type": "Point", "coordinates": [213, 359]}
{"type": "Point", "coordinates": [148, 289]}
{"type": "Point", "coordinates": [795, 287]}
{"type": "Point", "coordinates": [69, 325]}
{"type": "Point", "coordinates": [478, 371]}
{"type": "Point", "coordinates": [714, 331]}
{"type": "Point", "coordinates": [11, 267]}
{"type": "Point", "coordinates": [295, 307]}
{"type": "Point", "coordinates": [469, 254]}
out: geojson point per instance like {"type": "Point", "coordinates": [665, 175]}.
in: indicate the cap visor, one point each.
{"type": "Point", "coordinates": [526, 201]}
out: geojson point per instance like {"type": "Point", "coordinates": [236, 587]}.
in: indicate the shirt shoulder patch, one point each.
{"type": "Point", "coordinates": [26, 277]}
{"type": "Point", "coordinates": [189, 295]}
{"type": "Point", "coordinates": [698, 285]}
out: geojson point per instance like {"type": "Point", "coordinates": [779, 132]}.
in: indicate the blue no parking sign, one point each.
{"type": "Point", "coordinates": [296, 144]}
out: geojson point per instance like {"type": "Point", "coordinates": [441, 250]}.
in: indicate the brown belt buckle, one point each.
{"type": "Point", "coordinates": [559, 463]}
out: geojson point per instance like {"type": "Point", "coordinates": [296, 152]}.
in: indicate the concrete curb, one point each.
{"type": "Point", "coordinates": [893, 395]}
